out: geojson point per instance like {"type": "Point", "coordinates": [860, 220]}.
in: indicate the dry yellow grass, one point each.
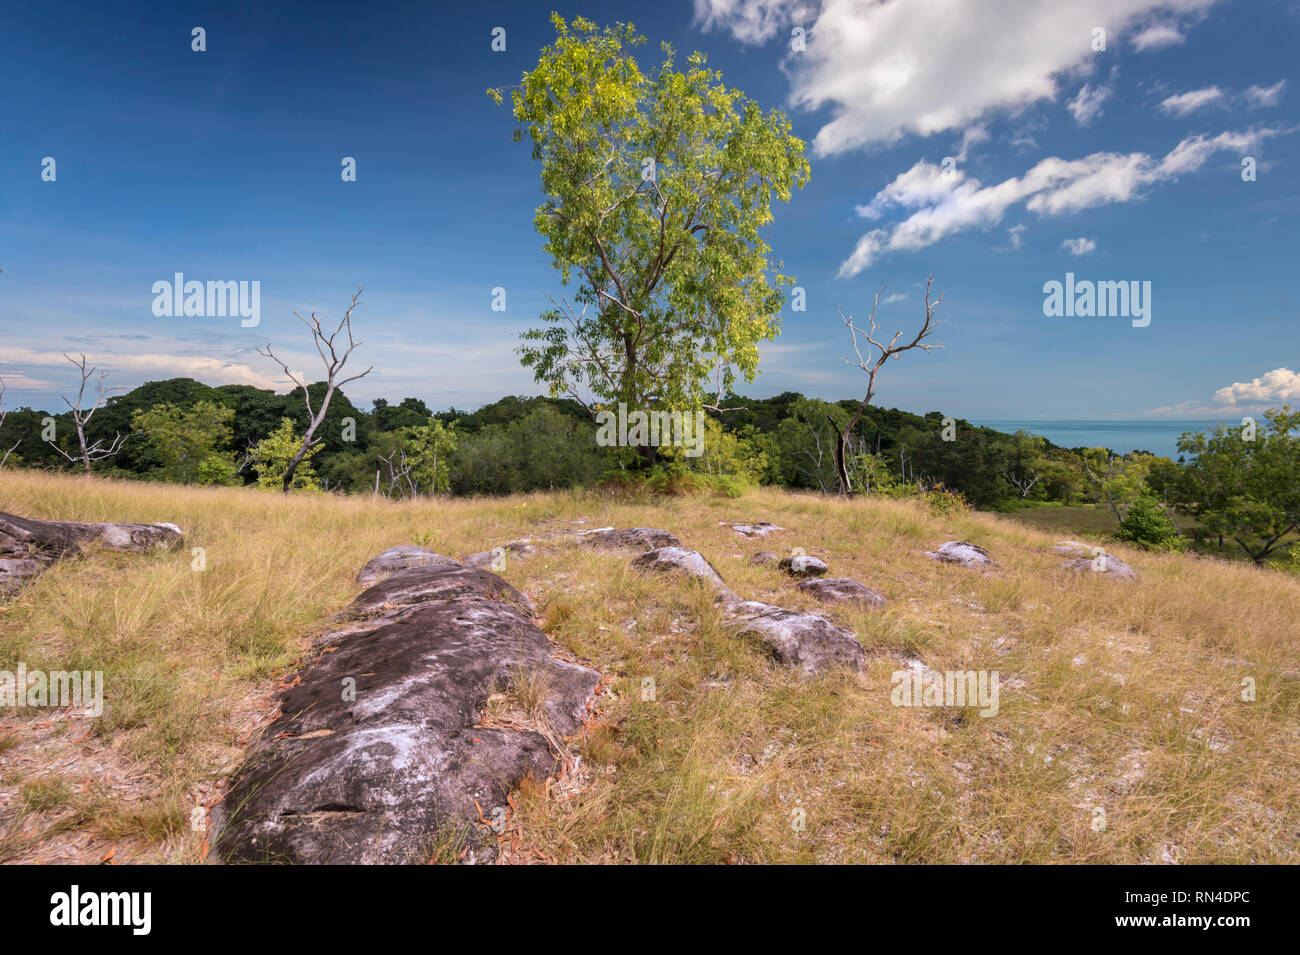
{"type": "Point", "coordinates": [1118, 698]}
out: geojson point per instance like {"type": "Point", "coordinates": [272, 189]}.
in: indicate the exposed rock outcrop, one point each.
{"type": "Point", "coordinates": [755, 529]}
{"type": "Point", "coordinates": [403, 765]}
{"type": "Point", "coordinates": [637, 539]}
{"type": "Point", "coordinates": [29, 546]}
{"type": "Point", "coordinates": [682, 560]}
{"type": "Point", "coordinates": [764, 558]}
{"type": "Point", "coordinates": [962, 554]}
{"type": "Point", "coordinates": [448, 580]}
{"type": "Point", "coordinates": [843, 590]}
{"type": "Point", "coordinates": [804, 640]}
{"type": "Point", "coordinates": [1090, 559]}
{"type": "Point", "coordinates": [398, 558]}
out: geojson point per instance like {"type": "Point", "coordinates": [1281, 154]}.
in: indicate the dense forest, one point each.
{"type": "Point", "coordinates": [1238, 486]}
{"type": "Point", "coordinates": [184, 431]}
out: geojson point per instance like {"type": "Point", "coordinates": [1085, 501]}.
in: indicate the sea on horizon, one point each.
{"type": "Point", "coordinates": [1158, 437]}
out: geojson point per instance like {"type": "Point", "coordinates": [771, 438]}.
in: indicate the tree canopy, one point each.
{"type": "Point", "coordinates": [656, 190]}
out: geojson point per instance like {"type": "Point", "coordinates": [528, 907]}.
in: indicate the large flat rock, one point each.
{"type": "Point", "coordinates": [28, 546]}
{"type": "Point", "coordinates": [628, 539]}
{"type": "Point", "coordinates": [399, 558]}
{"type": "Point", "coordinates": [434, 581]}
{"type": "Point", "coordinates": [389, 775]}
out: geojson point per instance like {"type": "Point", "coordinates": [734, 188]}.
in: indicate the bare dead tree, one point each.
{"type": "Point", "coordinates": [1024, 483]}
{"type": "Point", "coordinates": [717, 402]}
{"type": "Point", "coordinates": [892, 350]}
{"type": "Point", "coordinates": [81, 417]}
{"type": "Point", "coordinates": [399, 474]}
{"type": "Point", "coordinates": [334, 357]}
{"type": "Point", "coordinates": [4, 413]}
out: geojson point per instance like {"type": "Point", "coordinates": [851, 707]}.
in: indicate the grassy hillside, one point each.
{"type": "Point", "coordinates": [1123, 698]}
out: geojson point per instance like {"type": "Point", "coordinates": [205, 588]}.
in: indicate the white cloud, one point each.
{"type": "Point", "coordinates": [752, 21]}
{"type": "Point", "coordinates": [208, 370]}
{"type": "Point", "coordinates": [1265, 95]}
{"type": "Point", "coordinates": [944, 204]}
{"type": "Point", "coordinates": [1016, 235]}
{"type": "Point", "coordinates": [1279, 386]}
{"type": "Point", "coordinates": [18, 381]}
{"type": "Point", "coordinates": [1080, 246]}
{"type": "Point", "coordinates": [893, 297]}
{"type": "Point", "coordinates": [1157, 35]}
{"type": "Point", "coordinates": [927, 66]}
{"type": "Point", "coordinates": [1191, 101]}
{"type": "Point", "coordinates": [1086, 105]}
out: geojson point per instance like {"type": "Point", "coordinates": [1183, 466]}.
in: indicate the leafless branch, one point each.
{"type": "Point", "coordinates": [334, 357]}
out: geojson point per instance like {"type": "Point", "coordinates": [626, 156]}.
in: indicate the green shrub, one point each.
{"type": "Point", "coordinates": [1148, 525]}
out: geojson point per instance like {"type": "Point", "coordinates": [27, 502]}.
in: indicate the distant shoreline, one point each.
{"type": "Point", "coordinates": [1158, 437]}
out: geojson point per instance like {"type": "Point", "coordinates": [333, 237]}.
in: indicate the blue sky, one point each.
{"type": "Point", "coordinates": [1117, 165]}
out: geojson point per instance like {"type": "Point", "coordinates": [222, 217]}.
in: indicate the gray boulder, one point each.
{"type": "Point", "coordinates": [764, 558]}
{"type": "Point", "coordinates": [682, 560]}
{"type": "Point", "coordinates": [803, 565]}
{"type": "Point", "coordinates": [962, 554]}
{"type": "Point", "coordinates": [804, 640]}
{"type": "Point", "coordinates": [405, 766]}
{"type": "Point", "coordinates": [843, 590]}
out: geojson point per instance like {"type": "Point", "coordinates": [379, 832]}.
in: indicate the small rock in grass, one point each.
{"type": "Point", "coordinates": [962, 554]}
{"type": "Point", "coordinates": [803, 565]}
{"type": "Point", "coordinates": [843, 590]}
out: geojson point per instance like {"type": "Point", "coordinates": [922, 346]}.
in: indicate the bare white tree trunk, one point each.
{"type": "Point", "coordinates": [333, 362]}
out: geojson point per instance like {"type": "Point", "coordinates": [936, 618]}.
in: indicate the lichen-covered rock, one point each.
{"type": "Point", "coordinates": [682, 560]}
{"type": "Point", "coordinates": [398, 558]}
{"type": "Point", "coordinates": [29, 546]}
{"type": "Point", "coordinates": [401, 765]}
{"type": "Point", "coordinates": [764, 558]}
{"type": "Point", "coordinates": [803, 565]}
{"type": "Point", "coordinates": [1090, 559]}
{"type": "Point", "coordinates": [14, 572]}
{"type": "Point", "coordinates": [843, 590]}
{"type": "Point", "coordinates": [962, 554]}
{"type": "Point", "coordinates": [425, 582]}
{"type": "Point", "coordinates": [636, 539]}
{"type": "Point", "coordinates": [804, 640]}
{"type": "Point", "coordinates": [755, 529]}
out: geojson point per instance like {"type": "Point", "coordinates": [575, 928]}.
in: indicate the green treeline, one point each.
{"type": "Point", "coordinates": [1242, 488]}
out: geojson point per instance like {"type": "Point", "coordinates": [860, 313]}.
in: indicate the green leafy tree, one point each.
{"type": "Point", "coordinates": [545, 449]}
{"type": "Point", "coordinates": [1116, 480]}
{"type": "Point", "coordinates": [273, 455]}
{"type": "Point", "coordinates": [1245, 488]}
{"type": "Point", "coordinates": [804, 444]}
{"type": "Point", "coordinates": [724, 454]}
{"type": "Point", "coordinates": [416, 459]}
{"type": "Point", "coordinates": [656, 189]}
{"type": "Point", "coordinates": [182, 439]}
